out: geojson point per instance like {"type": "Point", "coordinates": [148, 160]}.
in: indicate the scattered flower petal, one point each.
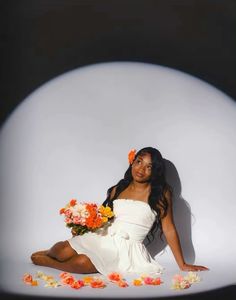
{"type": "Point", "coordinates": [34, 283]}
{"type": "Point", "coordinates": [27, 278]}
{"type": "Point", "coordinates": [137, 282]}
{"type": "Point", "coordinates": [87, 280]}
{"type": "Point", "coordinates": [193, 277]}
{"type": "Point", "coordinates": [52, 283]}
{"type": "Point", "coordinates": [68, 280]}
{"type": "Point", "coordinates": [114, 277]}
{"type": "Point", "coordinates": [122, 283]}
{"type": "Point", "coordinates": [179, 282]}
{"type": "Point", "coordinates": [97, 283]}
{"type": "Point", "coordinates": [77, 284]}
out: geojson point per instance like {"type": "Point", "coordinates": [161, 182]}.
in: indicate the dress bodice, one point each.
{"type": "Point", "coordinates": [133, 219]}
{"type": "Point", "coordinates": [119, 246]}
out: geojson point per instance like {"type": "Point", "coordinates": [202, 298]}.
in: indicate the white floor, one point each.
{"type": "Point", "coordinates": [220, 275]}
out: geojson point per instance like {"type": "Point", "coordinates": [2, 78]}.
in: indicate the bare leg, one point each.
{"type": "Point", "coordinates": [60, 251]}
{"type": "Point", "coordinates": [79, 263]}
{"type": "Point", "coordinates": [61, 256]}
{"type": "Point", "coordinates": [41, 252]}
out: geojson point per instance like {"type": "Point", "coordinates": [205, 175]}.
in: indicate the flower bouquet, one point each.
{"type": "Point", "coordinates": [85, 217]}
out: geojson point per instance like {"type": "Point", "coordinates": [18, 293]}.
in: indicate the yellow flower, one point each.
{"type": "Point", "coordinates": [87, 280]}
{"type": "Point", "coordinates": [104, 219]}
{"type": "Point", "coordinates": [52, 283]}
{"type": "Point", "coordinates": [39, 274]}
{"type": "Point", "coordinates": [106, 211]}
{"type": "Point", "coordinates": [137, 282]}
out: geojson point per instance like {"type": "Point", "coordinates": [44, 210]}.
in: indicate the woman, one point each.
{"type": "Point", "coordinates": [141, 202]}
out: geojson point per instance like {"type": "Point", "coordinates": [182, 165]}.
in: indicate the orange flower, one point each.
{"type": "Point", "coordinates": [114, 277]}
{"type": "Point", "coordinates": [97, 283]}
{"type": "Point", "coordinates": [94, 220]}
{"type": "Point", "coordinates": [77, 284]}
{"type": "Point", "coordinates": [131, 156]}
{"type": "Point", "coordinates": [68, 280]}
{"type": "Point", "coordinates": [73, 202]}
{"type": "Point", "coordinates": [62, 210]}
{"type": "Point", "coordinates": [34, 283]}
{"type": "Point", "coordinates": [157, 281]}
{"type": "Point", "coordinates": [122, 283]}
{"type": "Point", "coordinates": [64, 274]}
{"type": "Point", "coordinates": [27, 278]}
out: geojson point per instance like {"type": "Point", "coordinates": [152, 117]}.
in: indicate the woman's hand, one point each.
{"type": "Point", "coordinates": [193, 268]}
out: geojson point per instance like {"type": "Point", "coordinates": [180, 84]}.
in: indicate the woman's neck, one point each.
{"type": "Point", "coordinates": [137, 186]}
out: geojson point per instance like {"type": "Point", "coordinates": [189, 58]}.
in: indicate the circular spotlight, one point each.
{"type": "Point", "coordinates": [70, 138]}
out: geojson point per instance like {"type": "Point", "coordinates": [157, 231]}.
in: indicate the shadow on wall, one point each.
{"type": "Point", "coordinates": [182, 219]}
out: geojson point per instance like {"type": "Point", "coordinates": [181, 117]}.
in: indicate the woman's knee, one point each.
{"type": "Point", "coordinates": [83, 264]}
{"type": "Point", "coordinates": [61, 251]}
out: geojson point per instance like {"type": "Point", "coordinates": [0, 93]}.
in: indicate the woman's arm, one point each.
{"type": "Point", "coordinates": [172, 238]}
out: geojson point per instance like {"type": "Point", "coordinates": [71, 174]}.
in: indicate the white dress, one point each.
{"type": "Point", "coordinates": [119, 247]}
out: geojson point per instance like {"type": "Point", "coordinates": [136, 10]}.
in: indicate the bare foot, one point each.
{"type": "Point", "coordinates": [39, 259]}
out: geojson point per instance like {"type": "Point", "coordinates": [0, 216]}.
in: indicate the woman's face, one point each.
{"type": "Point", "coordinates": [141, 169]}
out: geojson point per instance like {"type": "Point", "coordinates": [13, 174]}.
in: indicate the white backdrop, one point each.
{"type": "Point", "coordinates": [70, 139]}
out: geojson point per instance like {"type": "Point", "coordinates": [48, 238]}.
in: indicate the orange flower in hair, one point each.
{"type": "Point", "coordinates": [131, 156]}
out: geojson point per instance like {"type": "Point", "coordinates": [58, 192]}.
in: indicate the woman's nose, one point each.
{"type": "Point", "coordinates": [142, 168]}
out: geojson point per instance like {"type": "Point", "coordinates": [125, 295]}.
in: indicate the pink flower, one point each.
{"type": "Point", "coordinates": [67, 213]}
{"type": "Point", "coordinates": [148, 280]}
{"type": "Point", "coordinates": [68, 221]}
{"type": "Point", "coordinates": [178, 278]}
{"type": "Point", "coordinates": [76, 220]}
{"type": "Point", "coordinates": [179, 282]}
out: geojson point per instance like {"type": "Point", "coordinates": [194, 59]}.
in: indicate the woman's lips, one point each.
{"type": "Point", "coordinates": [139, 175]}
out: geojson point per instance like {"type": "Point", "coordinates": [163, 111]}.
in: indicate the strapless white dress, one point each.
{"type": "Point", "coordinates": [119, 247]}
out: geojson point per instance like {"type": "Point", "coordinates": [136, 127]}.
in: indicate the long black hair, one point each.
{"type": "Point", "coordinates": [159, 186]}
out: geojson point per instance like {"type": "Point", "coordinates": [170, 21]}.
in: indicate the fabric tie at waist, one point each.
{"type": "Point", "coordinates": [119, 232]}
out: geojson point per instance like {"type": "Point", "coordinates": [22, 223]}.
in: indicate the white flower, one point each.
{"type": "Point", "coordinates": [192, 277]}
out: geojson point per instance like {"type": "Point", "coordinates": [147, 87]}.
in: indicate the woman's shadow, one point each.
{"type": "Point", "coordinates": [182, 219]}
